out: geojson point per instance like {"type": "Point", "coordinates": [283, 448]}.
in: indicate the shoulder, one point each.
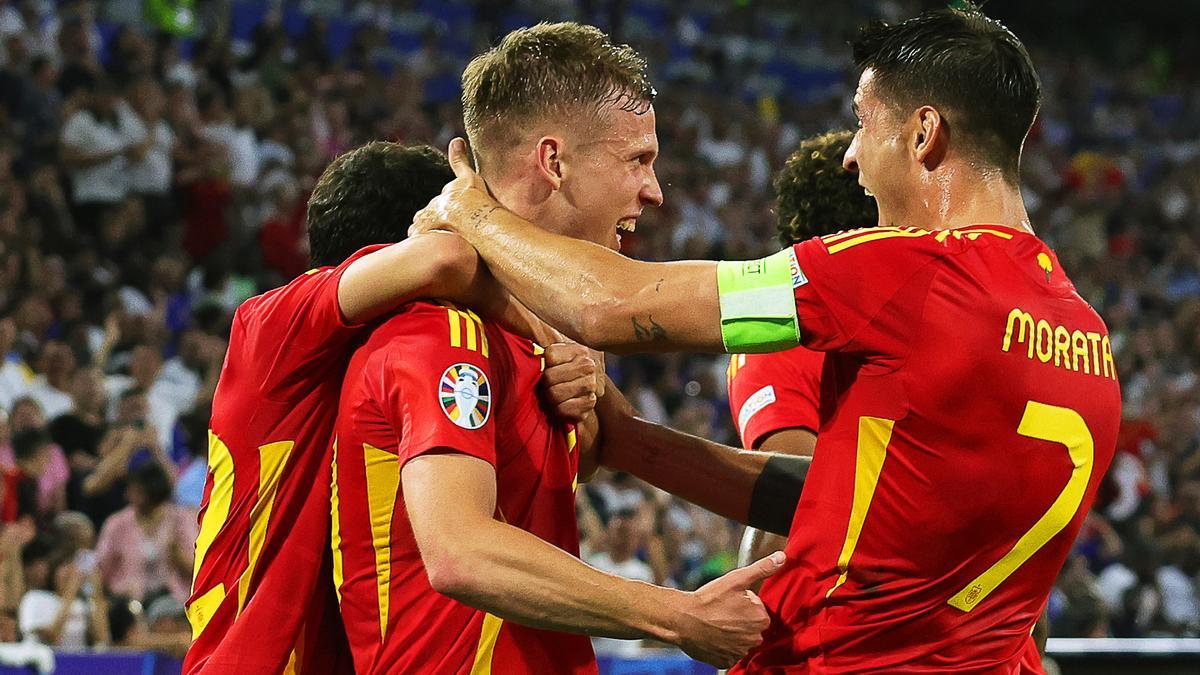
{"type": "Point", "coordinates": [907, 240]}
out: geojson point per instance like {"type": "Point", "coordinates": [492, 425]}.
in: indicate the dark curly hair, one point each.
{"type": "Point", "coordinates": [369, 196]}
{"type": "Point", "coordinates": [816, 195]}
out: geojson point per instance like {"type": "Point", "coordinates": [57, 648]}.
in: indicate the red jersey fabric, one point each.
{"type": "Point", "coordinates": [434, 378]}
{"type": "Point", "coordinates": [972, 410]}
{"type": "Point", "coordinates": [773, 392]}
{"type": "Point", "coordinates": [262, 600]}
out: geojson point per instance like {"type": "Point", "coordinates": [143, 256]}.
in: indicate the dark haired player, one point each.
{"type": "Point", "coordinates": [261, 602]}
{"type": "Point", "coordinates": [774, 398]}
{"type": "Point", "coordinates": [975, 393]}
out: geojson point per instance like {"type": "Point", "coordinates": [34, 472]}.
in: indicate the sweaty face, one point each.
{"type": "Point", "coordinates": [610, 178]}
{"type": "Point", "coordinates": [877, 152]}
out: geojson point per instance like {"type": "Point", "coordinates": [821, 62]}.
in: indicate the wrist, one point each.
{"type": "Point", "coordinates": [668, 616]}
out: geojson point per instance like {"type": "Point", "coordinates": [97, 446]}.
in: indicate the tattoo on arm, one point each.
{"type": "Point", "coordinates": [480, 215]}
{"type": "Point", "coordinates": [644, 334]}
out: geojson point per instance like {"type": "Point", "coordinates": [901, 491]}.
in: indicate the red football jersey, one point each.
{"type": "Point", "coordinates": [434, 378]}
{"type": "Point", "coordinates": [261, 600]}
{"type": "Point", "coordinates": [773, 392]}
{"type": "Point", "coordinates": [974, 410]}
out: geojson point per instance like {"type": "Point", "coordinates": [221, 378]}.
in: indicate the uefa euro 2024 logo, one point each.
{"type": "Point", "coordinates": [465, 395]}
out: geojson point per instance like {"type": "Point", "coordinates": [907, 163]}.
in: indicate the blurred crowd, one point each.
{"type": "Point", "coordinates": [154, 169]}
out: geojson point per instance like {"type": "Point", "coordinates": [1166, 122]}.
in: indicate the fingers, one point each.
{"type": "Point", "coordinates": [765, 567]}
{"type": "Point", "coordinates": [576, 409]}
{"type": "Point", "coordinates": [460, 160]}
{"type": "Point", "coordinates": [756, 572]}
{"type": "Point", "coordinates": [570, 380]}
{"type": "Point", "coordinates": [567, 362]}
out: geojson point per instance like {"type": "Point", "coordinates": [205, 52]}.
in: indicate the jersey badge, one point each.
{"type": "Point", "coordinates": [1046, 264]}
{"type": "Point", "coordinates": [465, 395]}
{"type": "Point", "coordinates": [757, 401]}
{"type": "Point", "coordinates": [798, 278]}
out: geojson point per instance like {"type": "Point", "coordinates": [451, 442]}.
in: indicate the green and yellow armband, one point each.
{"type": "Point", "coordinates": [758, 303]}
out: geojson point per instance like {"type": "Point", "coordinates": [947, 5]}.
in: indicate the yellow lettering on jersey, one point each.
{"type": "Point", "coordinates": [272, 457]}
{"type": "Point", "coordinates": [1053, 424]}
{"type": "Point", "coordinates": [1062, 347]}
{"type": "Point", "coordinates": [874, 434]}
{"type": "Point", "coordinates": [1079, 349]}
{"type": "Point", "coordinates": [1094, 341]}
{"type": "Point", "coordinates": [1110, 369]}
{"type": "Point", "coordinates": [383, 484]}
{"type": "Point", "coordinates": [1068, 348]}
{"type": "Point", "coordinates": [486, 650]}
{"type": "Point", "coordinates": [1045, 336]}
{"type": "Point", "coordinates": [335, 527]}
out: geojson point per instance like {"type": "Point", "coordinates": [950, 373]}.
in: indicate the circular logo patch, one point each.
{"type": "Point", "coordinates": [465, 395]}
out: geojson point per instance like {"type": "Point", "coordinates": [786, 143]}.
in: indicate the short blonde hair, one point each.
{"type": "Point", "coordinates": [565, 71]}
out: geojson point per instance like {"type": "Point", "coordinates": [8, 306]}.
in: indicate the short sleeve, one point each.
{"type": "Point", "coordinates": [440, 397]}
{"type": "Point", "coordinates": [849, 281]}
{"type": "Point", "coordinates": [773, 392]}
{"type": "Point", "coordinates": [298, 330]}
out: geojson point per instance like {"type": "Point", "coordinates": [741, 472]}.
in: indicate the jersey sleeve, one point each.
{"type": "Point", "coordinates": [773, 392]}
{"type": "Point", "coordinates": [439, 397]}
{"type": "Point", "coordinates": [854, 287]}
{"type": "Point", "coordinates": [298, 331]}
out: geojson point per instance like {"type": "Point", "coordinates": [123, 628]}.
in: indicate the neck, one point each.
{"type": "Point", "coordinates": [953, 197]}
{"type": "Point", "coordinates": [526, 198]}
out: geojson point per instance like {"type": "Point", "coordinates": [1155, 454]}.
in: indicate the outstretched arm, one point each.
{"type": "Point", "coordinates": [759, 489]}
{"type": "Point", "coordinates": [597, 296]}
{"type": "Point", "coordinates": [514, 575]}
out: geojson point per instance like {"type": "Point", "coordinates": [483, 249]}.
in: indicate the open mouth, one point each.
{"type": "Point", "coordinates": [627, 224]}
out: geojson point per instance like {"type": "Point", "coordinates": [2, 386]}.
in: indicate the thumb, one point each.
{"type": "Point", "coordinates": [754, 573]}
{"type": "Point", "coordinates": [460, 159]}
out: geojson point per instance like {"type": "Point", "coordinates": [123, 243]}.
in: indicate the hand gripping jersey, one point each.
{"type": "Point", "coordinates": [974, 410]}
{"type": "Point", "coordinates": [261, 598]}
{"type": "Point", "coordinates": [434, 378]}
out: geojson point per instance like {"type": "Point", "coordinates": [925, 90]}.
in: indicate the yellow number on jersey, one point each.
{"type": "Point", "coordinates": [1056, 425]}
{"type": "Point", "coordinates": [1040, 421]}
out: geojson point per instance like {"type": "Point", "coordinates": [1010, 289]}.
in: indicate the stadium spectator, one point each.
{"type": "Point", "coordinates": [70, 611]}
{"type": "Point", "coordinates": [146, 548]}
{"type": "Point", "coordinates": [1109, 179]}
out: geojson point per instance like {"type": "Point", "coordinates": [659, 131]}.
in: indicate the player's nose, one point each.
{"type": "Point", "coordinates": [651, 194]}
{"type": "Point", "coordinates": [850, 160]}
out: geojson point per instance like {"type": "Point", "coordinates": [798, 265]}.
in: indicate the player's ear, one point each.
{"type": "Point", "coordinates": [549, 164]}
{"type": "Point", "coordinates": [931, 138]}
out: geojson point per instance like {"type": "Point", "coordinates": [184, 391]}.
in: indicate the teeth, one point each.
{"type": "Point", "coordinates": [868, 192]}
{"type": "Point", "coordinates": [628, 224]}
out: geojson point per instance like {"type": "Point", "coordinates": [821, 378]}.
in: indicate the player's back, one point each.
{"type": "Point", "coordinates": [266, 503]}
{"type": "Point", "coordinates": [435, 379]}
{"type": "Point", "coordinates": [971, 411]}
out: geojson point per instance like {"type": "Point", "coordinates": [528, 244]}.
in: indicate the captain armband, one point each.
{"type": "Point", "coordinates": [758, 303]}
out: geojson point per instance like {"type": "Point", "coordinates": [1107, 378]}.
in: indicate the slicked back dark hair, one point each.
{"type": "Point", "coordinates": [968, 66]}
{"type": "Point", "coordinates": [562, 71]}
{"type": "Point", "coordinates": [817, 195]}
{"type": "Point", "coordinates": [369, 196]}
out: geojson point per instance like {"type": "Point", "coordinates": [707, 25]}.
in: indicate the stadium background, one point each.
{"type": "Point", "coordinates": [117, 282]}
